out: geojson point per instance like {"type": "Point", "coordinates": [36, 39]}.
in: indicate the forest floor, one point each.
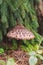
{"type": "Point", "coordinates": [20, 56]}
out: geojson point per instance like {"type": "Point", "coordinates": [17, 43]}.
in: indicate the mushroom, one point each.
{"type": "Point", "coordinates": [19, 32]}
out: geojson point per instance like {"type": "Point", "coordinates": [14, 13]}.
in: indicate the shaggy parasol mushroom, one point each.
{"type": "Point", "coordinates": [20, 33]}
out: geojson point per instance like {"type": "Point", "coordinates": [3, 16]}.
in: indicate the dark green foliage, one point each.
{"type": "Point", "coordinates": [24, 12]}
{"type": "Point", "coordinates": [14, 44]}
{"type": "Point", "coordinates": [1, 37]}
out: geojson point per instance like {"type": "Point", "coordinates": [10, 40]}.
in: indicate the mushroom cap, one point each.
{"type": "Point", "coordinates": [19, 32]}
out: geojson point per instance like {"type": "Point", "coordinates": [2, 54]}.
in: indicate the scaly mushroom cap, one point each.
{"type": "Point", "coordinates": [20, 33]}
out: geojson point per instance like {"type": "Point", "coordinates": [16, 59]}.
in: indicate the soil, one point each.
{"type": "Point", "coordinates": [21, 57]}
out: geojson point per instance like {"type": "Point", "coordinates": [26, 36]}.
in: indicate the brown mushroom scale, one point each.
{"type": "Point", "coordinates": [20, 33]}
